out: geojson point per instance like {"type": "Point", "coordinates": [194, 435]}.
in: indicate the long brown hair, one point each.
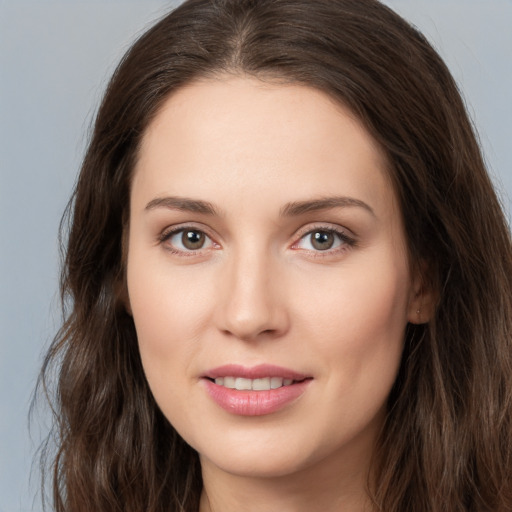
{"type": "Point", "coordinates": [447, 440]}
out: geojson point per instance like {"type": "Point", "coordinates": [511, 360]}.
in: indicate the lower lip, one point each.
{"type": "Point", "coordinates": [255, 403]}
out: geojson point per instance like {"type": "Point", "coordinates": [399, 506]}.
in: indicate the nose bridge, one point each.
{"type": "Point", "coordinates": [252, 304]}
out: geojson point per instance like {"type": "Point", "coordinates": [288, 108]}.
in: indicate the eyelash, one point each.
{"type": "Point", "coordinates": [168, 234]}
{"type": "Point", "coordinates": [346, 241]}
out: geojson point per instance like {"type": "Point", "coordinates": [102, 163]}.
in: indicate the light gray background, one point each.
{"type": "Point", "coordinates": [55, 59]}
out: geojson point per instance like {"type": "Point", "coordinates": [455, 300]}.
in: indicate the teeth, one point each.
{"type": "Point", "coordinates": [263, 384]}
{"type": "Point", "coordinates": [276, 382]}
{"type": "Point", "coordinates": [243, 384]}
{"type": "Point", "coordinates": [229, 382]}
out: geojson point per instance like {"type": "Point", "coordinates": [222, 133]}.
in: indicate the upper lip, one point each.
{"type": "Point", "coordinates": [254, 372]}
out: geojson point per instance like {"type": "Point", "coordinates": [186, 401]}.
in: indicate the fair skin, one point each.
{"type": "Point", "coordinates": [264, 231]}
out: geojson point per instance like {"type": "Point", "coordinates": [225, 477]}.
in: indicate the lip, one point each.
{"type": "Point", "coordinates": [255, 403]}
{"type": "Point", "coordinates": [255, 372]}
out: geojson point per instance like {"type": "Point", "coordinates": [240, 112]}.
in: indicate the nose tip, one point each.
{"type": "Point", "coordinates": [251, 324]}
{"type": "Point", "coordinates": [253, 307]}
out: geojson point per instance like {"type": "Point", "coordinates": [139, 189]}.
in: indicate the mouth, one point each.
{"type": "Point", "coordinates": [263, 377]}
{"type": "Point", "coordinates": [254, 391]}
{"type": "Point", "coordinates": [261, 384]}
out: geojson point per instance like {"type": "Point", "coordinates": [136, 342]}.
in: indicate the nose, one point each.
{"type": "Point", "coordinates": [252, 303]}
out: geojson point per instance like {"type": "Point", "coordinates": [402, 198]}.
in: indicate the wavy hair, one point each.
{"type": "Point", "coordinates": [447, 439]}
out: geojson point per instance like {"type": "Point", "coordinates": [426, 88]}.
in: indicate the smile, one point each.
{"type": "Point", "coordinates": [262, 384]}
{"type": "Point", "coordinates": [254, 391]}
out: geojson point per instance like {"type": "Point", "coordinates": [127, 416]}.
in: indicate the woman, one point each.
{"type": "Point", "coordinates": [289, 276]}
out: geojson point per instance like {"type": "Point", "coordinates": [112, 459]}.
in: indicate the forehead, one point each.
{"type": "Point", "coordinates": [243, 136]}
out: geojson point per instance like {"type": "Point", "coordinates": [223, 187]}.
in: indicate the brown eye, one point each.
{"type": "Point", "coordinates": [187, 240]}
{"type": "Point", "coordinates": [192, 239]}
{"type": "Point", "coordinates": [322, 240]}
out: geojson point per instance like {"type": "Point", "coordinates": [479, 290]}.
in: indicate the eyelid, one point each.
{"type": "Point", "coordinates": [170, 231]}
{"type": "Point", "coordinates": [346, 236]}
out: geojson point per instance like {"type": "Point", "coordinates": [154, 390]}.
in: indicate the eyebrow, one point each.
{"type": "Point", "coordinates": [301, 207]}
{"type": "Point", "coordinates": [292, 209]}
{"type": "Point", "coordinates": [182, 204]}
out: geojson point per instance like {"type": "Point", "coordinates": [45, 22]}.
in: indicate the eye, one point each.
{"type": "Point", "coordinates": [323, 240]}
{"type": "Point", "coordinates": [184, 240]}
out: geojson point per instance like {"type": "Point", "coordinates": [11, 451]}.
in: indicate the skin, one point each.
{"type": "Point", "coordinates": [258, 290]}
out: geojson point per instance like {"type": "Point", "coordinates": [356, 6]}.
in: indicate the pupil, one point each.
{"type": "Point", "coordinates": [192, 239]}
{"type": "Point", "coordinates": [322, 240]}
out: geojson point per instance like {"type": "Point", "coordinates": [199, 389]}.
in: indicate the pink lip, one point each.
{"type": "Point", "coordinates": [255, 372]}
{"type": "Point", "coordinates": [254, 403]}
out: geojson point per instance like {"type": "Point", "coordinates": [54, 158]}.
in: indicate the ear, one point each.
{"type": "Point", "coordinates": [122, 297]}
{"type": "Point", "coordinates": [423, 297]}
{"type": "Point", "coordinates": [125, 299]}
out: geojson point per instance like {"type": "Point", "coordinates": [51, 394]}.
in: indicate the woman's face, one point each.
{"type": "Point", "coordinates": [267, 276]}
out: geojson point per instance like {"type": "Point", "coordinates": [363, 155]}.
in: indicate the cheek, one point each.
{"type": "Point", "coordinates": [367, 293]}
{"type": "Point", "coordinates": [358, 323]}
{"type": "Point", "coordinates": [165, 314]}
{"type": "Point", "coordinates": [172, 311]}
{"type": "Point", "coordinates": [166, 305]}
{"type": "Point", "coordinates": [357, 331]}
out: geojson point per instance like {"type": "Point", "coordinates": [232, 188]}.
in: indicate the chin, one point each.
{"type": "Point", "coordinates": [278, 449]}
{"type": "Point", "coordinates": [257, 465]}
{"type": "Point", "coordinates": [273, 455]}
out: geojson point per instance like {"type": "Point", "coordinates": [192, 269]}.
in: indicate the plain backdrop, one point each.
{"type": "Point", "coordinates": [55, 60]}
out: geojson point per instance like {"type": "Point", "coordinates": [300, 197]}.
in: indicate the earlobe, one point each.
{"type": "Point", "coordinates": [122, 297]}
{"type": "Point", "coordinates": [127, 306]}
{"type": "Point", "coordinates": [421, 309]}
{"type": "Point", "coordinates": [422, 304]}
{"type": "Point", "coordinates": [419, 316]}
{"type": "Point", "coordinates": [125, 299]}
